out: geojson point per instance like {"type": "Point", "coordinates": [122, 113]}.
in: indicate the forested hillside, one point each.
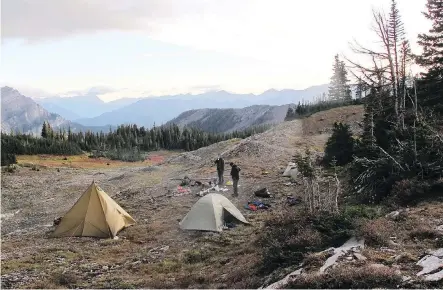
{"type": "Point", "coordinates": [125, 143]}
{"type": "Point", "coordinates": [230, 120]}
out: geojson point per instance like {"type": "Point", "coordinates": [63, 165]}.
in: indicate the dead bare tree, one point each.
{"type": "Point", "coordinates": [389, 63]}
{"type": "Point", "coordinates": [320, 193]}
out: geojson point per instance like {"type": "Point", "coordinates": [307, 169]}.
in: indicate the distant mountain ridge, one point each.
{"type": "Point", "coordinates": [22, 114]}
{"type": "Point", "coordinates": [159, 110]}
{"type": "Point", "coordinates": [229, 120]}
{"type": "Point", "coordinates": [83, 106]}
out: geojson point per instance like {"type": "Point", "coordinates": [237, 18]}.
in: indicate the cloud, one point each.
{"type": "Point", "coordinates": [39, 20]}
{"type": "Point", "coordinates": [290, 43]}
{"type": "Point", "coordinates": [93, 91]}
{"type": "Point", "coordinates": [206, 88]}
{"type": "Point", "coordinates": [27, 90]}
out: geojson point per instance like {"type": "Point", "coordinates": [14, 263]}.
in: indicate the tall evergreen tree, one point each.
{"type": "Point", "coordinates": [339, 89]}
{"type": "Point", "coordinates": [431, 84]}
{"type": "Point", "coordinates": [44, 133]}
{"type": "Point", "coordinates": [340, 146]}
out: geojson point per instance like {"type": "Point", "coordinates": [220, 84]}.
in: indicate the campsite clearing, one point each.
{"type": "Point", "coordinates": [155, 252]}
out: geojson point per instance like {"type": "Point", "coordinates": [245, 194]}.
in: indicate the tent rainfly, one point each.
{"type": "Point", "coordinates": [209, 213]}
{"type": "Point", "coordinates": [95, 214]}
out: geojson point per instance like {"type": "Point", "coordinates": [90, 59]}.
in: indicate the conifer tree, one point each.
{"type": "Point", "coordinates": [339, 89]}
{"type": "Point", "coordinates": [431, 84]}
{"type": "Point", "coordinates": [340, 146]}
{"type": "Point", "coordinates": [44, 133]}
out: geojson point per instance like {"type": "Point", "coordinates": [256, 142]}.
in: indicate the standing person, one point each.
{"type": "Point", "coordinates": [220, 170]}
{"type": "Point", "coordinates": [235, 174]}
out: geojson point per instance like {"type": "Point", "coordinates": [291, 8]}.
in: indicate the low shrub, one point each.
{"type": "Point", "coordinates": [287, 238]}
{"type": "Point", "coordinates": [363, 211]}
{"type": "Point", "coordinates": [195, 256]}
{"type": "Point", "coordinates": [413, 191]}
{"type": "Point", "coordinates": [424, 232]}
{"type": "Point", "coordinates": [65, 279]}
{"type": "Point", "coordinates": [349, 277]}
{"type": "Point", "coordinates": [376, 232]}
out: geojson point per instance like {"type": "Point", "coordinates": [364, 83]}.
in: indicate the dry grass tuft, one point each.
{"type": "Point", "coordinates": [314, 260]}
{"type": "Point", "coordinates": [65, 279]}
{"type": "Point", "coordinates": [376, 232]}
{"type": "Point", "coordinates": [349, 277]}
{"type": "Point", "coordinates": [424, 232]}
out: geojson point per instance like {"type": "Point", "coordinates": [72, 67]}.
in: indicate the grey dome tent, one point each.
{"type": "Point", "coordinates": [209, 213]}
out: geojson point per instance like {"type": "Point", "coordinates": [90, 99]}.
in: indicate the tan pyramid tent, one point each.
{"type": "Point", "coordinates": [95, 214]}
{"type": "Point", "coordinates": [209, 213]}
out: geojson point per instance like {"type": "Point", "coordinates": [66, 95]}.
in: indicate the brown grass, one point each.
{"type": "Point", "coordinates": [376, 232]}
{"type": "Point", "coordinates": [314, 260]}
{"type": "Point", "coordinates": [349, 277]}
{"type": "Point", "coordinates": [83, 161]}
{"type": "Point", "coordinates": [322, 122]}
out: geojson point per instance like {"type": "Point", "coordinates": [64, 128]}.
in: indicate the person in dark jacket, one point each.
{"type": "Point", "coordinates": [220, 170]}
{"type": "Point", "coordinates": [235, 174]}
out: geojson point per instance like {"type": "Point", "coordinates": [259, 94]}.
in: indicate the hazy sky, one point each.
{"type": "Point", "coordinates": [155, 47]}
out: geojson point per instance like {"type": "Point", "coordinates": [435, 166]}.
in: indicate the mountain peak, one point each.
{"type": "Point", "coordinates": [8, 89]}
{"type": "Point", "coordinates": [271, 91]}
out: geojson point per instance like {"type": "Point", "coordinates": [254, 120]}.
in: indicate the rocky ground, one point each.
{"type": "Point", "coordinates": [155, 253]}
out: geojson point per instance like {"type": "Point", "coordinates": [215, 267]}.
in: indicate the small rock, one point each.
{"type": "Point", "coordinates": [105, 268]}
{"type": "Point", "coordinates": [392, 243]}
{"type": "Point", "coordinates": [349, 258]}
{"type": "Point", "coordinates": [360, 257]}
{"type": "Point", "coordinates": [385, 249]}
{"type": "Point", "coordinates": [435, 277]}
{"type": "Point", "coordinates": [393, 214]}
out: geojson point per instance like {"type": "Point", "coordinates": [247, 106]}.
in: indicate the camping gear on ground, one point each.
{"type": "Point", "coordinates": [180, 191]}
{"type": "Point", "coordinates": [264, 192]}
{"type": "Point", "coordinates": [250, 206]}
{"type": "Point", "coordinates": [186, 181]}
{"type": "Point", "coordinates": [291, 170]}
{"type": "Point", "coordinates": [57, 221]}
{"type": "Point", "coordinates": [95, 214]}
{"type": "Point", "coordinates": [228, 226]}
{"type": "Point", "coordinates": [213, 188]}
{"type": "Point", "coordinates": [256, 205]}
{"type": "Point", "coordinates": [292, 200]}
{"type": "Point", "coordinates": [210, 212]}
{"type": "Point", "coordinates": [218, 189]}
